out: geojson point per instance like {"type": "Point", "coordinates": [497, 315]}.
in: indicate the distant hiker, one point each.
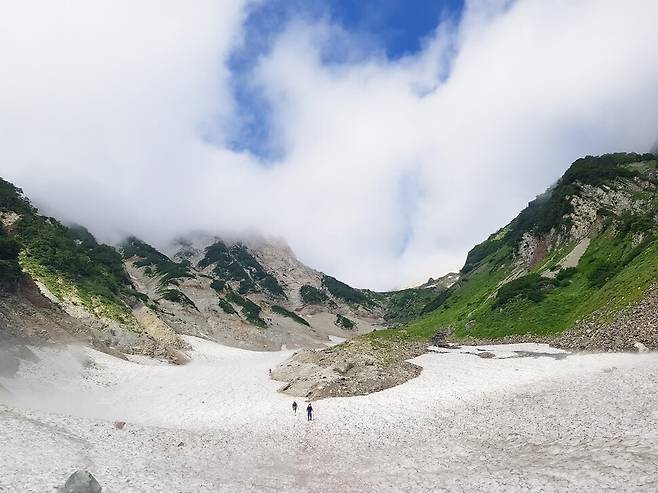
{"type": "Point", "coordinates": [294, 407]}
{"type": "Point", "coordinates": [270, 371]}
{"type": "Point", "coordinates": [309, 412]}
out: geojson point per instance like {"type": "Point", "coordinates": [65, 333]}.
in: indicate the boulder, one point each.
{"type": "Point", "coordinates": [81, 482]}
{"type": "Point", "coordinates": [343, 367]}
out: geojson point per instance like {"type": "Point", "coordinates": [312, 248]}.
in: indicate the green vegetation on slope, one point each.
{"type": "Point", "coordinates": [407, 305]}
{"type": "Point", "coordinates": [235, 263]}
{"type": "Point", "coordinates": [311, 295]}
{"type": "Point", "coordinates": [158, 264]}
{"type": "Point", "coordinates": [250, 310]}
{"type": "Point", "coordinates": [341, 290]}
{"type": "Point", "coordinates": [226, 306]}
{"type": "Point", "coordinates": [176, 296]}
{"type": "Point", "coordinates": [344, 322]}
{"type": "Point", "coordinates": [10, 248]}
{"type": "Point", "coordinates": [218, 285]}
{"type": "Point", "coordinates": [547, 210]}
{"type": "Point", "coordinates": [12, 199]}
{"type": "Point", "coordinates": [287, 313]}
{"type": "Point", "coordinates": [618, 267]}
{"type": "Point", "coordinates": [68, 261]}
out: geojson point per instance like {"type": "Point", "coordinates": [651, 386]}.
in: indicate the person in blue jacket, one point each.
{"type": "Point", "coordinates": [309, 412]}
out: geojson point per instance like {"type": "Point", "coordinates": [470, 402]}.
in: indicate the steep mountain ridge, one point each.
{"type": "Point", "coordinates": [247, 293]}
{"type": "Point", "coordinates": [587, 248]}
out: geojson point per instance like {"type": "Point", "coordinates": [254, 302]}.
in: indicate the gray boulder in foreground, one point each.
{"type": "Point", "coordinates": [81, 482]}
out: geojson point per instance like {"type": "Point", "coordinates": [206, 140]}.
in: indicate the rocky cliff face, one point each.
{"type": "Point", "coordinates": [252, 294]}
{"type": "Point", "coordinates": [592, 207]}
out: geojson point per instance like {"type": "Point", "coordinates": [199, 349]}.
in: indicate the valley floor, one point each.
{"type": "Point", "coordinates": [535, 420]}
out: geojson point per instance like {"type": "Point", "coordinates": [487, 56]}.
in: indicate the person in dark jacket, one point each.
{"type": "Point", "coordinates": [294, 407]}
{"type": "Point", "coordinates": [309, 412]}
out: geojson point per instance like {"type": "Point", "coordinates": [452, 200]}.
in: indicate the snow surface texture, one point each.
{"type": "Point", "coordinates": [529, 419]}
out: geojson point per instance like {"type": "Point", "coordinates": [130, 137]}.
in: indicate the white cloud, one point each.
{"type": "Point", "coordinates": [103, 105]}
{"type": "Point", "coordinates": [389, 173]}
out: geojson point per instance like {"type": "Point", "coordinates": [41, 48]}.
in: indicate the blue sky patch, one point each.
{"type": "Point", "coordinates": [392, 28]}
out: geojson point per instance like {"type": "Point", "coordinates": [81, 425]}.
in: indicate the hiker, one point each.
{"type": "Point", "coordinates": [309, 412]}
{"type": "Point", "coordinates": [270, 372]}
{"type": "Point", "coordinates": [294, 407]}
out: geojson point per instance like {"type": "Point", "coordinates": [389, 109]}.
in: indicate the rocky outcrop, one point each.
{"type": "Point", "coordinates": [27, 316]}
{"type": "Point", "coordinates": [443, 282]}
{"type": "Point", "coordinates": [224, 280]}
{"type": "Point", "coordinates": [358, 367]}
{"type": "Point", "coordinates": [589, 206]}
{"type": "Point", "coordinates": [527, 247]}
{"type": "Point", "coordinates": [81, 482]}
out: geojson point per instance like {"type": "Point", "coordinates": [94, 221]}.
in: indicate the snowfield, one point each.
{"type": "Point", "coordinates": [529, 419]}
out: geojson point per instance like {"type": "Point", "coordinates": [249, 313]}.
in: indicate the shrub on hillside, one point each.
{"type": "Point", "coordinates": [217, 284]}
{"type": "Point", "coordinates": [177, 296]}
{"type": "Point", "coordinates": [344, 322]}
{"type": "Point", "coordinates": [437, 302]}
{"type": "Point", "coordinates": [341, 290]}
{"type": "Point", "coordinates": [311, 295]}
{"type": "Point", "coordinates": [532, 287]}
{"type": "Point", "coordinates": [250, 310]}
{"type": "Point", "coordinates": [287, 313]}
{"type": "Point", "coordinates": [226, 306]}
{"type": "Point", "coordinates": [9, 250]}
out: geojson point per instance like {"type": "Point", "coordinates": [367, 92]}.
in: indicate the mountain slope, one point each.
{"type": "Point", "coordinates": [577, 268]}
{"type": "Point", "coordinates": [585, 249]}
{"type": "Point", "coordinates": [59, 282]}
{"type": "Point", "coordinates": [252, 293]}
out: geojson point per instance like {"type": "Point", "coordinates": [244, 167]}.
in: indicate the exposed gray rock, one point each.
{"type": "Point", "coordinates": [81, 482]}
{"type": "Point", "coordinates": [358, 367]}
{"type": "Point", "coordinates": [443, 282]}
{"type": "Point", "coordinates": [526, 248]}
{"type": "Point", "coordinates": [344, 366]}
{"type": "Point", "coordinates": [208, 320]}
{"type": "Point", "coordinates": [641, 348]}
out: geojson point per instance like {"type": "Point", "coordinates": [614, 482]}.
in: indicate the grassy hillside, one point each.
{"type": "Point", "coordinates": [407, 305]}
{"type": "Point", "coordinates": [68, 261]}
{"type": "Point", "coordinates": [498, 295]}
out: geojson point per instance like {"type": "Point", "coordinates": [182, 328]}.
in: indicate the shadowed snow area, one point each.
{"type": "Point", "coordinates": [522, 419]}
